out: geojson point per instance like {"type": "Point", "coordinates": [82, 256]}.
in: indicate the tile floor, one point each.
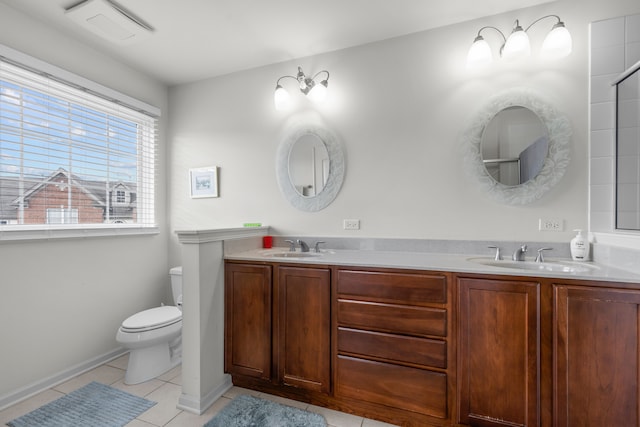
{"type": "Point", "coordinates": [166, 390]}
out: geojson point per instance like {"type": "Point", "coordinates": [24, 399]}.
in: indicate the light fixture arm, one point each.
{"type": "Point", "coordinates": [504, 39]}
{"type": "Point", "coordinates": [320, 72]}
{"type": "Point", "coordinates": [540, 19]}
{"type": "Point", "coordinates": [479, 36]}
{"type": "Point", "coordinates": [284, 77]}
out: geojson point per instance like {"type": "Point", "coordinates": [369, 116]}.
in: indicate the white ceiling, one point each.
{"type": "Point", "coordinates": [197, 39]}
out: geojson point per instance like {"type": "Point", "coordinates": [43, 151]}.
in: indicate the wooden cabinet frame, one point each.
{"type": "Point", "coordinates": [303, 321]}
{"type": "Point", "coordinates": [596, 344]}
{"type": "Point", "coordinates": [498, 352]}
{"type": "Point", "coordinates": [248, 328]}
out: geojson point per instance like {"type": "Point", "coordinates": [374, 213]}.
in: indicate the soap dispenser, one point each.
{"type": "Point", "coordinates": [579, 247]}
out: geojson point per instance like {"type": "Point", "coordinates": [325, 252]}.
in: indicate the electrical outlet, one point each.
{"type": "Point", "coordinates": [551, 224]}
{"type": "Point", "coordinates": [351, 224]}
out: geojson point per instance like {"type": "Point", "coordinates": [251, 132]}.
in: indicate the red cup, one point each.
{"type": "Point", "coordinates": [267, 242]}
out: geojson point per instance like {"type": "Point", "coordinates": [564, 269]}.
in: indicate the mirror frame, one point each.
{"type": "Point", "coordinates": [336, 168]}
{"type": "Point", "coordinates": [555, 164]}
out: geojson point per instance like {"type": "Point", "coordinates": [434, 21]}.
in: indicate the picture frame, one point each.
{"type": "Point", "coordinates": [203, 182]}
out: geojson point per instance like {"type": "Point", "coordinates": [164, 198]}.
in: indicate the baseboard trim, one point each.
{"type": "Point", "coordinates": [30, 390]}
{"type": "Point", "coordinates": [199, 406]}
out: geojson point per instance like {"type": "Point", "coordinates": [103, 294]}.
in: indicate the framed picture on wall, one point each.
{"type": "Point", "coordinates": [204, 182]}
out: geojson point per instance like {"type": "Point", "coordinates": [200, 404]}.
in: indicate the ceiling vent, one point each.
{"type": "Point", "coordinates": [110, 21]}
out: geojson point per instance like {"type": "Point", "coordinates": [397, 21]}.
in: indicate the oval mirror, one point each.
{"type": "Point", "coordinates": [514, 145]}
{"type": "Point", "coordinates": [310, 167]}
{"type": "Point", "coordinates": [556, 156]}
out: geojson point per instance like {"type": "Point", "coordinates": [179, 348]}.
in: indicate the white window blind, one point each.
{"type": "Point", "coordinates": [64, 148]}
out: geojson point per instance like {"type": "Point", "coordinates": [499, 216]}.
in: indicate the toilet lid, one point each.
{"type": "Point", "coordinates": [153, 318]}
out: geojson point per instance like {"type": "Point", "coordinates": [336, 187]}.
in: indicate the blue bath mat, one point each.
{"type": "Point", "coordinates": [249, 411]}
{"type": "Point", "coordinates": [94, 405]}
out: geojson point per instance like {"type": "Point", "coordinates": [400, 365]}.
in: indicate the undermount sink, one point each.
{"type": "Point", "coordinates": [294, 255]}
{"type": "Point", "coordinates": [554, 266]}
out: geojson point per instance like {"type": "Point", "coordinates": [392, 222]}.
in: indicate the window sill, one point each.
{"type": "Point", "coordinates": [20, 233]}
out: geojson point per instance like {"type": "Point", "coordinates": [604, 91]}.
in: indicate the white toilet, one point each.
{"type": "Point", "coordinates": [154, 337]}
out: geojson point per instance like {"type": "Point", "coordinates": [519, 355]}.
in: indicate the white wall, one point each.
{"type": "Point", "coordinates": [399, 106]}
{"type": "Point", "coordinates": [63, 301]}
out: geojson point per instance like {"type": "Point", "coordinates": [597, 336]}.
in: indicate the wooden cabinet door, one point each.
{"type": "Point", "coordinates": [304, 322]}
{"type": "Point", "coordinates": [498, 352]}
{"type": "Point", "coordinates": [248, 320]}
{"type": "Point", "coordinates": [596, 357]}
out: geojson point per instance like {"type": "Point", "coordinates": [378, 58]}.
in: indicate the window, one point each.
{"type": "Point", "coordinates": [62, 216]}
{"type": "Point", "coordinates": [71, 155]}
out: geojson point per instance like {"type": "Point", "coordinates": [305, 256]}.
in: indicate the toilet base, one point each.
{"type": "Point", "coordinates": [149, 362]}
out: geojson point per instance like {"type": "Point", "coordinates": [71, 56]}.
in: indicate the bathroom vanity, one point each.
{"type": "Point", "coordinates": [394, 337]}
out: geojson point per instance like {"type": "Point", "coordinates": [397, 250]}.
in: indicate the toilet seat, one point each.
{"type": "Point", "coordinates": [153, 318]}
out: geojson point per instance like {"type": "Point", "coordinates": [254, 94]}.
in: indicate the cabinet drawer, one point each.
{"type": "Point", "coordinates": [393, 318]}
{"type": "Point", "coordinates": [409, 288]}
{"type": "Point", "coordinates": [411, 389]}
{"type": "Point", "coordinates": [398, 348]}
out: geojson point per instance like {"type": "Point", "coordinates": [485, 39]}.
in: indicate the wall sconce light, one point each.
{"type": "Point", "coordinates": [316, 92]}
{"type": "Point", "coordinates": [556, 45]}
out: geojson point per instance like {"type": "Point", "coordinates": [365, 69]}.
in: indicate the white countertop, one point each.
{"type": "Point", "coordinates": [457, 263]}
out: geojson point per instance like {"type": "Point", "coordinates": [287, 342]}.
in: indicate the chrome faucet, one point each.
{"type": "Point", "coordinates": [540, 257]}
{"type": "Point", "coordinates": [498, 256]}
{"type": "Point", "coordinates": [303, 246]}
{"type": "Point", "coordinates": [317, 246]}
{"type": "Point", "coordinates": [292, 245]}
{"type": "Point", "coordinates": [518, 255]}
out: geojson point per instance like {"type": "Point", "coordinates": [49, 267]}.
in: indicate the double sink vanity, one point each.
{"type": "Point", "coordinates": [432, 337]}
{"type": "Point", "coordinates": [436, 339]}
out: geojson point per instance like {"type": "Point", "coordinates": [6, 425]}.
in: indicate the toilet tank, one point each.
{"type": "Point", "coordinates": [176, 285]}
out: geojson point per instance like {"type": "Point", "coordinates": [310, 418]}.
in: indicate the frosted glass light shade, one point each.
{"type": "Point", "coordinates": [479, 54]}
{"type": "Point", "coordinates": [318, 92]}
{"type": "Point", "coordinates": [517, 45]}
{"type": "Point", "coordinates": [557, 44]}
{"type": "Point", "coordinates": [281, 98]}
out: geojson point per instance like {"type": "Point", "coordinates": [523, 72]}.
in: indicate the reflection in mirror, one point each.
{"type": "Point", "coordinates": [309, 165]}
{"type": "Point", "coordinates": [628, 150]}
{"type": "Point", "coordinates": [514, 146]}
